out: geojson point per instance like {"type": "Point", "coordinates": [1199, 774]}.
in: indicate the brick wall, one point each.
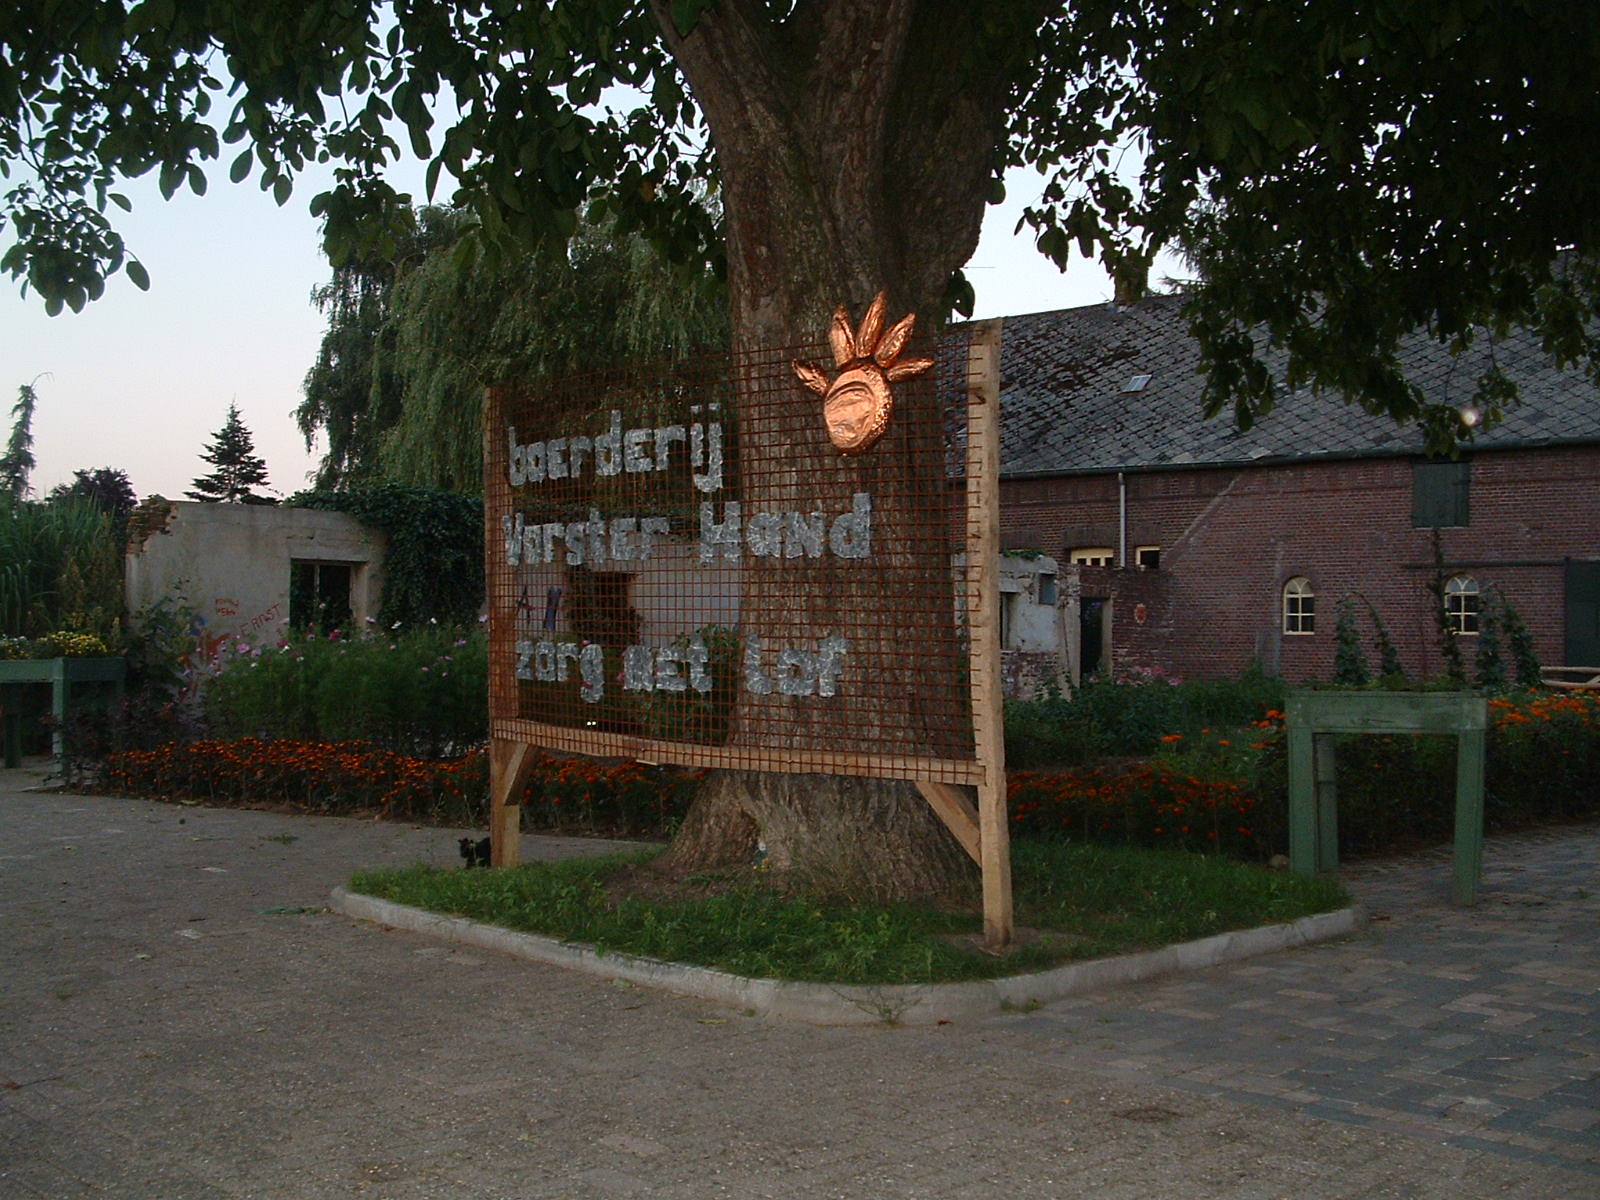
{"type": "Point", "coordinates": [1230, 538]}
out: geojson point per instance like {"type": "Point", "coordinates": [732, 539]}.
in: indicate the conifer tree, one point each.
{"type": "Point", "coordinates": [1530, 673]}
{"type": "Point", "coordinates": [1389, 665]}
{"type": "Point", "coordinates": [1349, 661]}
{"type": "Point", "coordinates": [233, 453]}
{"type": "Point", "coordinates": [16, 464]}
{"type": "Point", "coordinates": [107, 488]}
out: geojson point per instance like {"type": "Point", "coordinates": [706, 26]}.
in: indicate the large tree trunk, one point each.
{"type": "Point", "coordinates": [822, 125]}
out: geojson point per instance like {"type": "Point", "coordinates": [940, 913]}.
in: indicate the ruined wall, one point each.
{"type": "Point", "coordinates": [228, 565]}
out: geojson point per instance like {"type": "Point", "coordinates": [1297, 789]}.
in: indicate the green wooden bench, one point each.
{"type": "Point", "coordinates": [1312, 719]}
{"type": "Point", "coordinates": [61, 674]}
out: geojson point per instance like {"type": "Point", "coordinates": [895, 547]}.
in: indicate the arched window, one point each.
{"type": "Point", "coordinates": [1461, 604]}
{"type": "Point", "coordinates": [1299, 606]}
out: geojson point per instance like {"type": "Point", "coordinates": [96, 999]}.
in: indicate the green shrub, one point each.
{"type": "Point", "coordinates": [433, 569]}
{"type": "Point", "coordinates": [421, 691]}
{"type": "Point", "coordinates": [1349, 660]}
{"type": "Point", "coordinates": [1131, 715]}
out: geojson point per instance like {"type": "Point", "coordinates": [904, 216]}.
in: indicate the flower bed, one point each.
{"type": "Point", "coordinates": [1221, 791]}
{"type": "Point", "coordinates": [62, 644]}
{"type": "Point", "coordinates": [1227, 791]}
{"type": "Point", "coordinates": [563, 795]}
{"type": "Point", "coordinates": [1148, 804]}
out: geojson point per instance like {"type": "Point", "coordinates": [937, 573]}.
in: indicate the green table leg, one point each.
{"type": "Point", "coordinates": [1327, 798]}
{"type": "Point", "coordinates": [58, 709]}
{"type": "Point", "coordinates": [11, 737]}
{"type": "Point", "coordinates": [1469, 817]}
{"type": "Point", "coordinates": [1302, 804]}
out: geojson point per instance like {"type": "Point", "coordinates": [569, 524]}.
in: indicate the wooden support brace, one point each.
{"type": "Point", "coordinates": [509, 764]}
{"type": "Point", "coordinates": [957, 811]}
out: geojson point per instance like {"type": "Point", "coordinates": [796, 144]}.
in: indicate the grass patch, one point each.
{"type": "Point", "coordinates": [1073, 901]}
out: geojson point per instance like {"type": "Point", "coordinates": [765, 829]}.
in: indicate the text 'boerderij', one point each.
{"type": "Point", "coordinates": [618, 451]}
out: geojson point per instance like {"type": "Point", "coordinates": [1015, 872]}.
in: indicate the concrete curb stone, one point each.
{"type": "Point", "coordinates": [839, 1004]}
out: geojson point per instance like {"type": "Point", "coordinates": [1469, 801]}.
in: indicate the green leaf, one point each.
{"type": "Point", "coordinates": [281, 188]}
{"type": "Point", "coordinates": [137, 275]}
{"type": "Point", "coordinates": [241, 167]}
{"type": "Point", "coordinates": [419, 143]}
{"type": "Point", "coordinates": [121, 201]}
{"type": "Point", "coordinates": [1054, 245]}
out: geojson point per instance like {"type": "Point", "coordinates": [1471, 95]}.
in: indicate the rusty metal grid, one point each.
{"type": "Point", "coordinates": [683, 568]}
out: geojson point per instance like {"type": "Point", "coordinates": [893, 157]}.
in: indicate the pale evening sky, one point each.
{"type": "Point", "coordinates": [141, 381]}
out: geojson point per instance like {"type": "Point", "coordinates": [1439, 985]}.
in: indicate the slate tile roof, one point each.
{"type": "Point", "coordinates": [1064, 406]}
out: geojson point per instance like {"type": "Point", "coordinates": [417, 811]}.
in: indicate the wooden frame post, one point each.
{"type": "Point", "coordinates": [983, 626]}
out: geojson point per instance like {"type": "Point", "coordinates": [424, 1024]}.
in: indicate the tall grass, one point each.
{"type": "Point", "coordinates": [60, 568]}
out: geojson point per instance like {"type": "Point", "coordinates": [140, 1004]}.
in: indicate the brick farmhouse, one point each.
{"type": "Point", "coordinates": [1189, 548]}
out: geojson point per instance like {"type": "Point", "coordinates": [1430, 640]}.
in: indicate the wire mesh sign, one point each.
{"type": "Point", "coordinates": [746, 562]}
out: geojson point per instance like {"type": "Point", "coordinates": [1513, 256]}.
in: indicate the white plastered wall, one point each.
{"type": "Point", "coordinates": [229, 566]}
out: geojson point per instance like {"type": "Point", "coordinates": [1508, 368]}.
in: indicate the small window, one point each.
{"type": "Point", "coordinates": [1092, 556]}
{"type": "Point", "coordinates": [319, 596]}
{"type": "Point", "coordinates": [1147, 558]}
{"type": "Point", "coordinates": [1461, 604]}
{"type": "Point", "coordinates": [1047, 588]}
{"type": "Point", "coordinates": [1299, 606]}
{"type": "Point", "coordinates": [1439, 494]}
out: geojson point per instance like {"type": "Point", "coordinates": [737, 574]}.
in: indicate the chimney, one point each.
{"type": "Point", "coordinates": [1132, 280]}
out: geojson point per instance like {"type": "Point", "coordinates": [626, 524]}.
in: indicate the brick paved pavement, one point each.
{"type": "Point", "coordinates": [180, 1018]}
{"type": "Point", "coordinates": [1480, 1027]}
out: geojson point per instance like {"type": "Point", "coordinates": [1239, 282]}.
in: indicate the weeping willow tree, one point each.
{"type": "Point", "coordinates": [60, 568]}
{"type": "Point", "coordinates": [413, 341]}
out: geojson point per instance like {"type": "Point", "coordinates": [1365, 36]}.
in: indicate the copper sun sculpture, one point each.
{"type": "Point", "coordinates": [857, 402]}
